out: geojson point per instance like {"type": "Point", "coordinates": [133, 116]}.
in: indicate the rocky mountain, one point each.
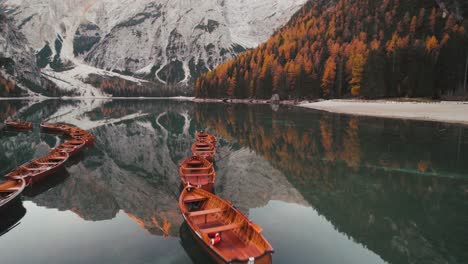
{"type": "Point", "coordinates": [165, 41]}
{"type": "Point", "coordinates": [17, 60]}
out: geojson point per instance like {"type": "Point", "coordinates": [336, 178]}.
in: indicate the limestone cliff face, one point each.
{"type": "Point", "coordinates": [17, 60]}
{"type": "Point", "coordinates": [166, 41]}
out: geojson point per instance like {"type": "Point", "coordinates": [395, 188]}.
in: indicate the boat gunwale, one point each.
{"type": "Point", "coordinates": [197, 231]}
{"type": "Point", "coordinates": [37, 173]}
{"type": "Point", "coordinates": [14, 194]}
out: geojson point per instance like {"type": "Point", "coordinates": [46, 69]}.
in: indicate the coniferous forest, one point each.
{"type": "Point", "coordinates": [354, 48]}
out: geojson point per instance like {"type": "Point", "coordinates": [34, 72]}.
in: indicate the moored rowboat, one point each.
{"type": "Point", "coordinates": [71, 131]}
{"type": "Point", "coordinates": [205, 137]}
{"type": "Point", "coordinates": [199, 172]}
{"type": "Point", "coordinates": [72, 147]}
{"type": "Point", "coordinates": [222, 230]}
{"type": "Point", "coordinates": [78, 133]}
{"type": "Point", "coordinates": [204, 149]}
{"type": "Point", "coordinates": [19, 125]}
{"type": "Point", "coordinates": [39, 169]}
{"type": "Point", "coordinates": [87, 137]}
{"type": "Point", "coordinates": [54, 127]}
{"type": "Point", "coordinates": [10, 191]}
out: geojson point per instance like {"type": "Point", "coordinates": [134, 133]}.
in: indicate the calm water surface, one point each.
{"type": "Point", "coordinates": [326, 188]}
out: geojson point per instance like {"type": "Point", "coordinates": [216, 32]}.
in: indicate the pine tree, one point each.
{"type": "Point", "coordinates": [357, 73]}
{"type": "Point", "coordinates": [329, 75]}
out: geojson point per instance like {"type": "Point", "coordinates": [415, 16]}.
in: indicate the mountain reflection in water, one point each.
{"type": "Point", "coordinates": [361, 189]}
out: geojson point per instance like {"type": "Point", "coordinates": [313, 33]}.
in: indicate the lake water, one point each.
{"type": "Point", "coordinates": [326, 188]}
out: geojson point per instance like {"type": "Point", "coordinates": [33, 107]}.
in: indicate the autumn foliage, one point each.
{"type": "Point", "coordinates": [352, 48]}
{"type": "Point", "coordinates": [8, 87]}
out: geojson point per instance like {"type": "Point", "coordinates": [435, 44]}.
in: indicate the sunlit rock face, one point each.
{"type": "Point", "coordinates": [168, 41]}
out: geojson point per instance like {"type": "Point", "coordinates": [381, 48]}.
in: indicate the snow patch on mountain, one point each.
{"type": "Point", "coordinates": [166, 41]}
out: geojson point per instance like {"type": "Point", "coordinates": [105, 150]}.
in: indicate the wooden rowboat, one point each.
{"type": "Point", "coordinates": [78, 133]}
{"type": "Point", "coordinates": [204, 149]}
{"type": "Point", "coordinates": [19, 125]}
{"type": "Point", "coordinates": [71, 131]}
{"type": "Point", "coordinates": [72, 147]}
{"type": "Point", "coordinates": [87, 137]}
{"type": "Point", "coordinates": [205, 137]}
{"type": "Point", "coordinates": [54, 127]}
{"type": "Point", "coordinates": [10, 191]}
{"type": "Point", "coordinates": [39, 169]}
{"type": "Point", "coordinates": [222, 230]}
{"type": "Point", "coordinates": [199, 172]}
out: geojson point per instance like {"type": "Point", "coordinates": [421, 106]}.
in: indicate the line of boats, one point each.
{"type": "Point", "coordinates": [224, 232]}
{"type": "Point", "coordinates": [38, 170]}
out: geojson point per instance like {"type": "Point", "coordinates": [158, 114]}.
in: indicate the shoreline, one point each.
{"type": "Point", "coordinates": [249, 101]}
{"type": "Point", "coordinates": [455, 112]}
{"type": "Point", "coordinates": [43, 98]}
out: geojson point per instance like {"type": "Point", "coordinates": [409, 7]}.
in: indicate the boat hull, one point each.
{"type": "Point", "coordinates": [7, 204]}
{"type": "Point", "coordinates": [209, 156]}
{"type": "Point", "coordinates": [198, 172]}
{"type": "Point", "coordinates": [39, 177]}
{"type": "Point", "coordinates": [205, 137]}
{"type": "Point", "coordinates": [20, 126]}
{"type": "Point", "coordinates": [264, 259]}
{"type": "Point", "coordinates": [11, 216]}
{"type": "Point", "coordinates": [42, 176]}
{"type": "Point", "coordinates": [205, 150]}
{"type": "Point", "coordinates": [241, 239]}
{"type": "Point", "coordinates": [72, 149]}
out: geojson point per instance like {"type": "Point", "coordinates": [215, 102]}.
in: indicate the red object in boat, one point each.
{"type": "Point", "coordinates": [199, 172]}
{"type": "Point", "coordinates": [215, 239]}
{"type": "Point", "coordinates": [205, 137]}
{"type": "Point", "coordinates": [204, 149]}
{"type": "Point", "coordinates": [10, 191]}
{"type": "Point", "coordinates": [37, 170]}
{"type": "Point", "coordinates": [242, 241]}
{"type": "Point", "coordinates": [19, 125]}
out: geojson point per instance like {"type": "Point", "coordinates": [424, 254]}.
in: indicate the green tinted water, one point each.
{"type": "Point", "coordinates": [326, 188]}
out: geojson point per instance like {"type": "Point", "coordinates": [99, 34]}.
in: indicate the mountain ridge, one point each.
{"type": "Point", "coordinates": [161, 41]}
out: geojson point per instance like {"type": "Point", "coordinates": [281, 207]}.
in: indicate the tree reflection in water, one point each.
{"type": "Point", "coordinates": [397, 187]}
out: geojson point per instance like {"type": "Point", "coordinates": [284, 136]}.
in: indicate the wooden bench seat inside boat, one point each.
{"type": "Point", "coordinates": [58, 158]}
{"type": "Point", "coordinates": [47, 163]}
{"type": "Point", "coordinates": [195, 175]}
{"type": "Point", "coordinates": [219, 229]}
{"type": "Point", "coordinates": [194, 169]}
{"type": "Point", "coordinates": [194, 198]}
{"type": "Point", "coordinates": [9, 186]}
{"type": "Point", "coordinates": [195, 163]}
{"type": "Point", "coordinates": [38, 169]}
{"type": "Point", "coordinates": [206, 212]}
